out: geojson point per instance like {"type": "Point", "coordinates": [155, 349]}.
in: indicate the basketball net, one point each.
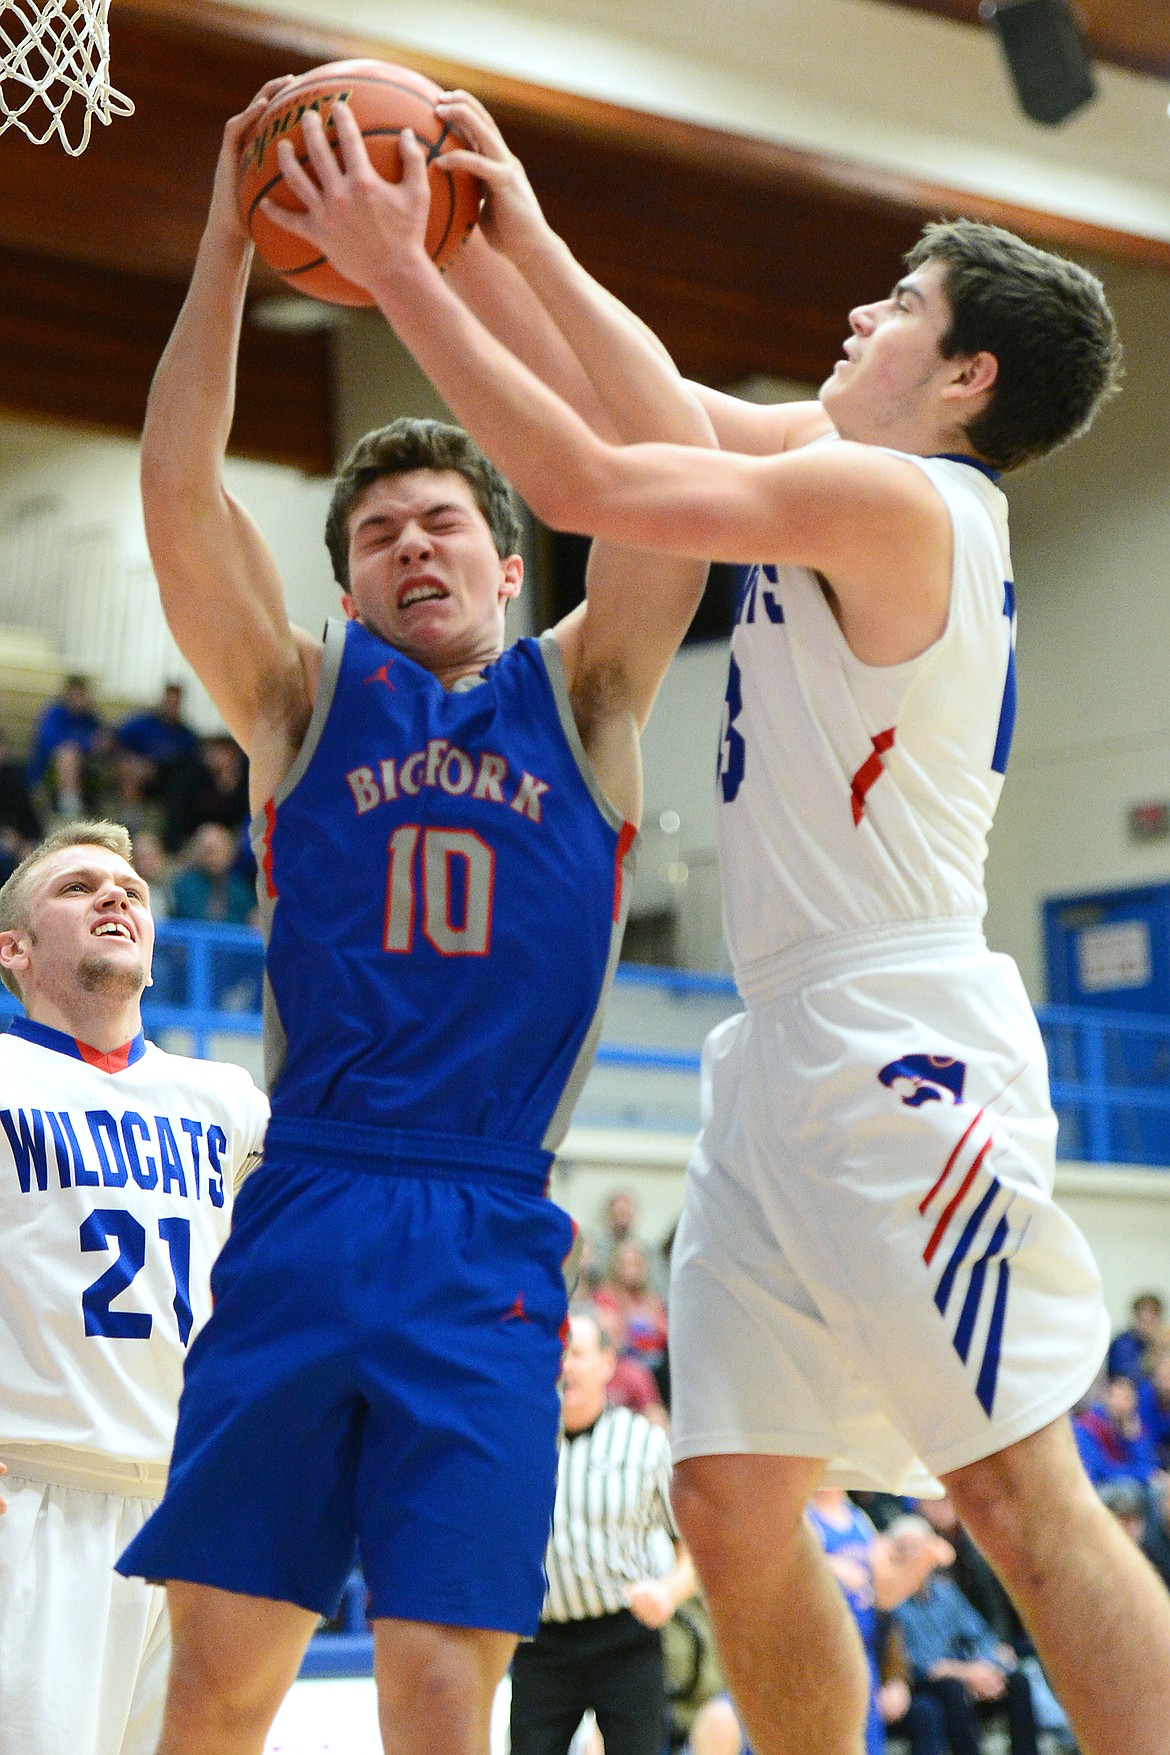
{"type": "Point", "coordinates": [48, 55]}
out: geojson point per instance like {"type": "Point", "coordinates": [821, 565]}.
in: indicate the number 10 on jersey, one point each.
{"type": "Point", "coordinates": [453, 871]}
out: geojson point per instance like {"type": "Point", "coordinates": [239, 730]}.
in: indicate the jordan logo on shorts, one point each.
{"type": "Point", "coordinates": [930, 1078]}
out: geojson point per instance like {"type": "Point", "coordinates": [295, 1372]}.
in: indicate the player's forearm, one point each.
{"type": "Point", "coordinates": [675, 499]}
{"type": "Point", "coordinates": [547, 451]}
{"type": "Point", "coordinates": [192, 399]}
{"type": "Point", "coordinates": [581, 342]}
{"type": "Point", "coordinates": [493, 287]}
{"type": "Point", "coordinates": [631, 372]}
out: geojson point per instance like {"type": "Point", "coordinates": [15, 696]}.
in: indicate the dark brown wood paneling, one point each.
{"type": "Point", "coordinates": [80, 344]}
{"type": "Point", "coordinates": [1129, 33]}
{"type": "Point", "coordinates": [743, 254]}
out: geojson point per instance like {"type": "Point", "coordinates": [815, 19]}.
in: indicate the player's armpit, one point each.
{"type": "Point", "coordinates": [638, 607]}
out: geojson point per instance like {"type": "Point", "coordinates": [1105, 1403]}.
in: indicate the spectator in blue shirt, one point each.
{"type": "Point", "coordinates": [1128, 1349]}
{"type": "Point", "coordinates": [68, 740]}
{"type": "Point", "coordinates": [956, 1657]}
{"type": "Point", "coordinates": [161, 737]}
{"type": "Point", "coordinates": [20, 826]}
{"type": "Point", "coordinates": [212, 788]}
{"type": "Point", "coordinates": [1111, 1438]}
{"type": "Point", "coordinates": [1154, 1405]}
{"type": "Point", "coordinates": [210, 888]}
{"type": "Point", "coordinates": [875, 1572]}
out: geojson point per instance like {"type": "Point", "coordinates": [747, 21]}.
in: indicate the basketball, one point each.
{"type": "Point", "coordinates": [385, 100]}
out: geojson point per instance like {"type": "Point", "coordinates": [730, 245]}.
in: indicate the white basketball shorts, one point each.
{"type": "Point", "coordinates": [84, 1653]}
{"type": "Point", "coordinates": [870, 1267]}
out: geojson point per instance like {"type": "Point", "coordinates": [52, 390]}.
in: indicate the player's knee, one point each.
{"type": "Point", "coordinates": [217, 1697]}
{"type": "Point", "coordinates": [1010, 1500]}
{"type": "Point", "coordinates": [703, 1516]}
{"type": "Point", "coordinates": [725, 1508]}
{"type": "Point", "coordinates": [210, 1708]}
{"type": "Point", "coordinates": [433, 1683]}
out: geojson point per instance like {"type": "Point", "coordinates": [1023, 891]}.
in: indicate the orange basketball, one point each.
{"type": "Point", "coordinates": [384, 100]}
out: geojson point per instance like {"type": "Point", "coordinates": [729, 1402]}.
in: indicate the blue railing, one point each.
{"type": "Point", "coordinates": [347, 1648]}
{"type": "Point", "coordinates": [1110, 1070]}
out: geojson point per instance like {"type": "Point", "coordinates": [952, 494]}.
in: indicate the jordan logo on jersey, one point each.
{"type": "Point", "coordinates": [925, 1078]}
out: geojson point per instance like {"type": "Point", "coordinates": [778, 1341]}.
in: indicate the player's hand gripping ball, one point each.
{"type": "Point", "coordinates": [385, 100]}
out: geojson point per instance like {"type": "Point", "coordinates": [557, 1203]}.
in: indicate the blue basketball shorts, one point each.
{"type": "Point", "coordinates": [380, 1374]}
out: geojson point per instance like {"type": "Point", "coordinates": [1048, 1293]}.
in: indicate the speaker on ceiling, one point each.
{"type": "Point", "coordinates": [1046, 54]}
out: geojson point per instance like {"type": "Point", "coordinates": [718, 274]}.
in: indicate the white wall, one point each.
{"type": "Point", "coordinates": [74, 562]}
{"type": "Point", "coordinates": [1091, 546]}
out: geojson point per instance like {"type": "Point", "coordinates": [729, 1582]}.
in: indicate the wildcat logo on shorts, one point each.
{"type": "Point", "coordinates": [925, 1078]}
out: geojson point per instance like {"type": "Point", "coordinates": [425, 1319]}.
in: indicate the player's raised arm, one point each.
{"type": "Point", "coordinates": [217, 578]}
{"type": "Point", "coordinates": [524, 284]}
{"type": "Point", "coordinates": [807, 507]}
{"type": "Point", "coordinates": [762, 428]}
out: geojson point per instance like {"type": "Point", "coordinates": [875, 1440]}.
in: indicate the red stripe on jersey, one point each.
{"type": "Point", "coordinates": [625, 842]}
{"type": "Point", "coordinates": [116, 1061]}
{"type": "Point", "coordinates": [940, 1228]}
{"type": "Point", "coordinates": [869, 772]}
{"type": "Point", "coordinates": [947, 1167]}
{"type": "Point", "coordinates": [266, 862]}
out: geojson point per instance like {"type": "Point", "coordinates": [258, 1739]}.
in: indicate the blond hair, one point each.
{"type": "Point", "coordinates": [14, 892]}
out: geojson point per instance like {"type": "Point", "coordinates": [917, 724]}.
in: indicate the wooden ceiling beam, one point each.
{"type": "Point", "coordinates": [1134, 34]}
{"type": "Point", "coordinates": [79, 344]}
{"type": "Point", "coordinates": [743, 254]}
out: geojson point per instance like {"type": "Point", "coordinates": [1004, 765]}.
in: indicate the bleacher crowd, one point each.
{"type": "Point", "coordinates": [954, 1672]}
{"type": "Point", "coordinates": [184, 798]}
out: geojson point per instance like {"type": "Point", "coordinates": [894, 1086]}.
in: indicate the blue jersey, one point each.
{"type": "Point", "coordinates": [854, 1542]}
{"type": "Point", "coordinates": [443, 888]}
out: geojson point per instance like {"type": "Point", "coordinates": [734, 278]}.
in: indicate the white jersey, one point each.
{"type": "Point", "coordinates": [852, 796]}
{"type": "Point", "coordinates": [116, 1181]}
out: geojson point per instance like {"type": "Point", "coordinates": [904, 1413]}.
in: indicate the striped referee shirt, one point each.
{"type": "Point", "coordinates": [613, 1494]}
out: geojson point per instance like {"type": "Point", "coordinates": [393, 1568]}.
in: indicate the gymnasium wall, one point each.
{"type": "Point", "coordinates": [1092, 558]}
{"type": "Point", "coordinates": [74, 564]}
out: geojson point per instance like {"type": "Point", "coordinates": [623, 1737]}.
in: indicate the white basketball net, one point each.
{"type": "Point", "coordinates": [50, 53]}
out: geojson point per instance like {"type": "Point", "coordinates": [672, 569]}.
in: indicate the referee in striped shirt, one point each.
{"type": "Point", "coordinates": [598, 1645]}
